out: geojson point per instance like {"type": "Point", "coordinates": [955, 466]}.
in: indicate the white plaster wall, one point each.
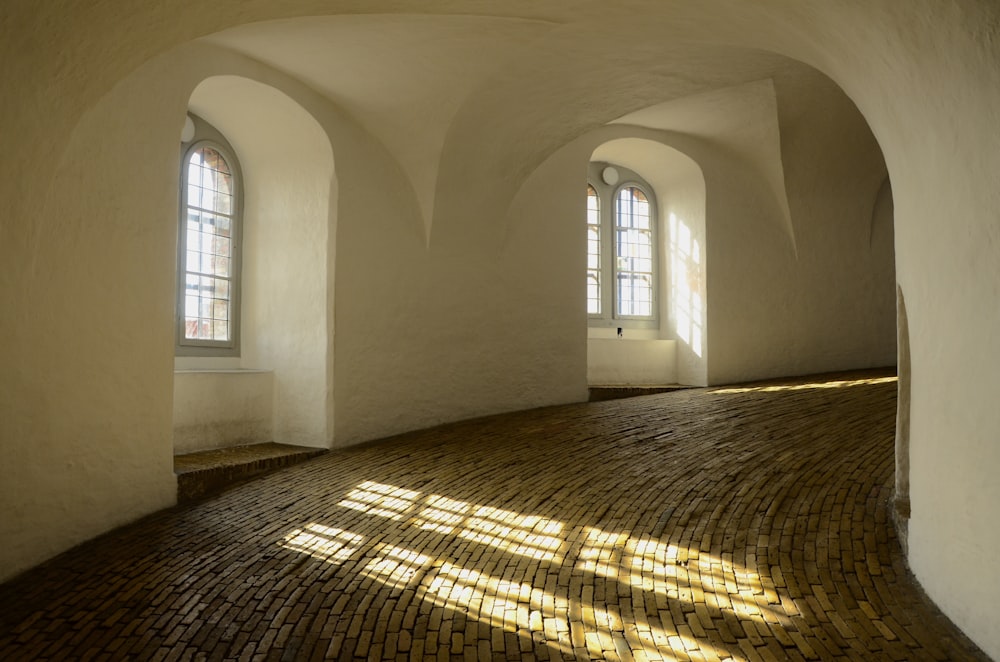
{"type": "Point", "coordinates": [477, 322]}
{"type": "Point", "coordinates": [687, 306]}
{"type": "Point", "coordinates": [87, 235]}
{"type": "Point", "coordinates": [619, 362]}
{"type": "Point", "coordinates": [431, 86]}
{"type": "Point", "coordinates": [218, 409]}
{"type": "Point", "coordinates": [947, 207]}
{"type": "Point", "coordinates": [87, 350]}
{"type": "Point", "coordinates": [826, 301]}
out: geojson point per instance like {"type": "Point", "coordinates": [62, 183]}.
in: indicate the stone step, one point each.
{"type": "Point", "coordinates": [600, 393]}
{"type": "Point", "coordinates": [203, 473]}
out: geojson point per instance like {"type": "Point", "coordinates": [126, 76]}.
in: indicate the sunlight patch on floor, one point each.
{"type": "Point", "coordinates": [323, 542]}
{"type": "Point", "coordinates": [843, 383]}
{"type": "Point", "coordinates": [652, 573]}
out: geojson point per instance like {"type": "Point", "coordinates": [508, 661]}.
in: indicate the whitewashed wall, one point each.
{"type": "Point", "coordinates": [445, 290]}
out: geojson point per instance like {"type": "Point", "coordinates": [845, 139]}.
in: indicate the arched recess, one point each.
{"type": "Point", "coordinates": [679, 188]}
{"type": "Point", "coordinates": [278, 389]}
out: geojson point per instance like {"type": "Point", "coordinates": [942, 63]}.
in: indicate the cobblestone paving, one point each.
{"type": "Point", "coordinates": [748, 523]}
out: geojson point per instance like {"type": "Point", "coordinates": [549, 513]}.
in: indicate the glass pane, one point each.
{"type": "Point", "coordinates": [225, 203]}
{"type": "Point", "coordinates": [220, 245]}
{"type": "Point", "coordinates": [593, 293]}
{"type": "Point", "coordinates": [222, 226]}
{"type": "Point", "coordinates": [220, 330]}
{"type": "Point", "coordinates": [193, 193]}
{"type": "Point", "coordinates": [632, 209]}
{"type": "Point", "coordinates": [594, 248]}
{"type": "Point", "coordinates": [593, 207]}
{"type": "Point", "coordinates": [207, 286]}
{"type": "Point", "coordinates": [210, 181]}
{"type": "Point", "coordinates": [206, 304]}
{"type": "Point", "coordinates": [220, 265]}
{"type": "Point", "coordinates": [635, 295]}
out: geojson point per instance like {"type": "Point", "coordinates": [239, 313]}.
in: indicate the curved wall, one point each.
{"type": "Point", "coordinates": [87, 235]}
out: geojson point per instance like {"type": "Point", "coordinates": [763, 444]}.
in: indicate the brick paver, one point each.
{"type": "Point", "coordinates": [749, 523]}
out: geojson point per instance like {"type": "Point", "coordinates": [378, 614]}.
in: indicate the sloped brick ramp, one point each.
{"type": "Point", "coordinates": [749, 523]}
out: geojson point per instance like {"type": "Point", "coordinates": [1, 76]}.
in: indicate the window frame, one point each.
{"type": "Point", "coordinates": [607, 203]}
{"type": "Point", "coordinates": [601, 246]}
{"type": "Point", "coordinates": [206, 135]}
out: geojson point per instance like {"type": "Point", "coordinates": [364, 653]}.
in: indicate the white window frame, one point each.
{"type": "Point", "coordinates": [607, 195]}
{"type": "Point", "coordinates": [206, 135]}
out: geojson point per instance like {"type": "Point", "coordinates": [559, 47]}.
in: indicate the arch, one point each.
{"type": "Point", "coordinates": [889, 62]}
{"type": "Point", "coordinates": [288, 170]}
{"type": "Point", "coordinates": [736, 125]}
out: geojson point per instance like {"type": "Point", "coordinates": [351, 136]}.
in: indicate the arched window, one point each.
{"type": "Point", "coordinates": [593, 252]}
{"type": "Point", "coordinates": [627, 228]}
{"type": "Point", "coordinates": [209, 247]}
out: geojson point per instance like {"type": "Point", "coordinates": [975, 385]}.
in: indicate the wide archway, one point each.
{"type": "Point", "coordinates": [86, 398]}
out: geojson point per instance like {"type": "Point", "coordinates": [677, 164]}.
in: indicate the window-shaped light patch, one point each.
{"type": "Point", "coordinates": [442, 514]}
{"type": "Point", "coordinates": [634, 254]}
{"type": "Point", "coordinates": [323, 542]}
{"type": "Point", "coordinates": [208, 258]}
{"type": "Point", "coordinates": [524, 535]}
{"type": "Point", "coordinates": [593, 252]}
{"type": "Point", "coordinates": [380, 499]}
{"type": "Point", "coordinates": [396, 566]}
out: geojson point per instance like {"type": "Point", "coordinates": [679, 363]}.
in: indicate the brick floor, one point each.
{"type": "Point", "coordinates": [749, 523]}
